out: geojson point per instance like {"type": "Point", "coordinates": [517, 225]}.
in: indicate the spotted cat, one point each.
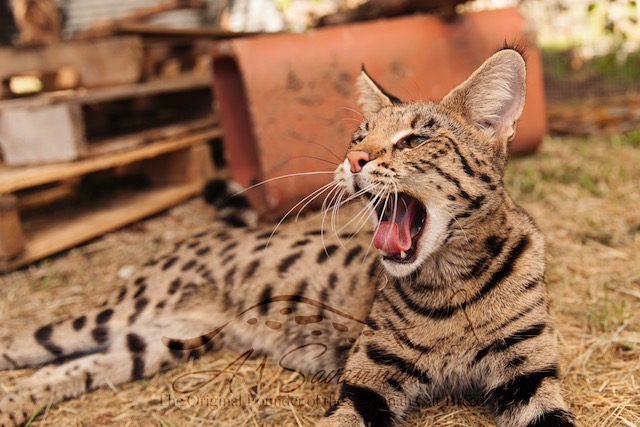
{"type": "Point", "coordinates": [453, 304]}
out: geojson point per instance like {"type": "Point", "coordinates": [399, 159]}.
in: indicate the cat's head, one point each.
{"type": "Point", "coordinates": [429, 170]}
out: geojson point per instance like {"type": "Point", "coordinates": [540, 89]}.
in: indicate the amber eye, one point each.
{"type": "Point", "coordinates": [411, 141]}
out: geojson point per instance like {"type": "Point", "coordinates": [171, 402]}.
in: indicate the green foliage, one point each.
{"type": "Point", "coordinates": [632, 138]}
{"type": "Point", "coordinates": [608, 315]}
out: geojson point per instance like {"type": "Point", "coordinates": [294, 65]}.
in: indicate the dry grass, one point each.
{"type": "Point", "coordinates": [585, 195]}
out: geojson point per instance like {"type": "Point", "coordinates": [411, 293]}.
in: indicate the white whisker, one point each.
{"type": "Point", "coordinates": [290, 175]}
{"type": "Point", "coordinates": [305, 202]}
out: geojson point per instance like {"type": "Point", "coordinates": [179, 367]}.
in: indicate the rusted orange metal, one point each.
{"type": "Point", "coordinates": [288, 101]}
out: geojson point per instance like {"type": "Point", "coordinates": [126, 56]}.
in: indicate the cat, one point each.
{"type": "Point", "coordinates": [454, 303]}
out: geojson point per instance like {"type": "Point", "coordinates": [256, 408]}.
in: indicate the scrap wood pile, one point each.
{"type": "Point", "coordinates": [121, 102]}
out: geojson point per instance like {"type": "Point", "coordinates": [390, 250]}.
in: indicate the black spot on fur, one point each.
{"type": "Point", "coordinates": [189, 265]}
{"type": "Point", "coordinates": [324, 295]}
{"type": "Point", "coordinates": [371, 406]}
{"type": "Point", "coordinates": [169, 263]}
{"type": "Point", "coordinates": [79, 322]}
{"type": "Point", "coordinates": [217, 192]}
{"type": "Point", "coordinates": [300, 243]}
{"type": "Point", "coordinates": [137, 368]}
{"type": "Point", "coordinates": [122, 294]}
{"type": "Point", "coordinates": [333, 280]}
{"type": "Point", "coordinates": [260, 247]}
{"type": "Point", "coordinates": [88, 381]}
{"type": "Point", "coordinates": [223, 236]}
{"type": "Point", "coordinates": [266, 235]}
{"type": "Point", "coordinates": [233, 221]}
{"type": "Point", "coordinates": [299, 293]}
{"type": "Point", "coordinates": [135, 343]}
{"type": "Point", "coordinates": [174, 286]}
{"type": "Point", "coordinates": [265, 296]}
{"type": "Point", "coordinates": [43, 337]}
{"type": "Point", "coordinates": [229, 278]}
{"type": "Point", "coordinates": [251, 269]}
{"type": "Point", "coordinates": [140, 291]}
{"type": "Point", "coordinates": [494, 245]}
{"type": "Point", "coordinates": [372, 323]}
{"type": "Point", "coordinates": [477, 202]}
{"type": "Point", "coordinates": [287, 262]}
{"type": "Point", "coordinates": [352, 254]}
{"type": "Point", "coordinates": [104, 316]}
{"type": "Point", "coordinates": [175, 345]}
{"type": "Point", "coordinates": [228, 247]}
{"type": "Point", "coordinates": [139, 306]}
{"type": "Point", "coordinates": [203, 251]}
{"type": "Point", "coordinates": [100, 334]}
{"type": "Point", "coordinates": [326, 253]}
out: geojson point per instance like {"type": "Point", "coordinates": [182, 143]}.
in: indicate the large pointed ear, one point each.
{"type": "Point", "coordinates": [493, 97]}
{"type": "Point", "coordinates": [373, 97]}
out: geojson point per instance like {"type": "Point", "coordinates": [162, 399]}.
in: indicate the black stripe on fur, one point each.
{"type": "Point", "coordinates": [553, 418]}
{"type": "Point", "coordinates": [369, 404]}
{"type": "Point", "coordinates": [519, 390]}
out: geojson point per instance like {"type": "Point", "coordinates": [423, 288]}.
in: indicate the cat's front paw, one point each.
{"type": "Point", "coordinates": [343, 419]}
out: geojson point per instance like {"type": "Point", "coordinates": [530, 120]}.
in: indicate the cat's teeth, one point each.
{"type": "Point", "coordinates": [403, 255]}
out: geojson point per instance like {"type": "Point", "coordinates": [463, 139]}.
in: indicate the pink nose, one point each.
{"type": "Point", "coordinates": [358, 159]}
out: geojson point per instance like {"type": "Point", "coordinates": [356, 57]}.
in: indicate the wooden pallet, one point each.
{"type": "Point", "coordinates": [91, 63]}
{"type": "Point", "coordinates": [81, 123]}
{"type": "Point", "coordinates": [177, 168]}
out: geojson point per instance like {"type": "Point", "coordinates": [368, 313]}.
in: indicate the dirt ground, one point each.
{"type": "Point", "coordinates": [584, 194]}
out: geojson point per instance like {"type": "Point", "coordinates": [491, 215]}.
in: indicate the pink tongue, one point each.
{"type": "Point", "coordinates": [395, 236]}
{"type": "Point", "coordinates": [392, 239]}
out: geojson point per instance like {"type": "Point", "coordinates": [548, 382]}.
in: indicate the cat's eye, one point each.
{"type": "Point", "coordinates": [411, 141]}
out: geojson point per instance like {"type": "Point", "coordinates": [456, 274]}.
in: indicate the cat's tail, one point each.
{"type": "Point", "coordinates": [233, 208]}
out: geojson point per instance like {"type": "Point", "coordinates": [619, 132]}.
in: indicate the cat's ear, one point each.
{"type": "Point", "coordinates": [372, 97]}
{"type": "Point", "coordinates": [493, 97]}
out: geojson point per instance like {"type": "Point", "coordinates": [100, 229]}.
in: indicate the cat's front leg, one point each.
{"type": "Point", "coordinates": [530, 396]}
{"type": "Point", "coordinates": [379, 384]}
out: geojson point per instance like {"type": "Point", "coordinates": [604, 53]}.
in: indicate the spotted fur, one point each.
{"type": "Point", "coordinates": [454, 303]}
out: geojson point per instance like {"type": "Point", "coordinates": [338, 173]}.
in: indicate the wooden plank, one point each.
{"type": "Point", "coordinates": [58, 237]}
{"type": "Point", "coordinates": [130, 141]}
{"type": "Point", "coordinates": [100, 62]}
{"type": "Point", "coordinates": [11, 236]}
{"type": "Point", "coordinates": [112, 93]}
{"type": "Point", "coordinates": [14, 179]}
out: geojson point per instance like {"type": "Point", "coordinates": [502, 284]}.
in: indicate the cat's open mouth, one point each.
{"type": "Point", "coordinates": [401, 221]}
